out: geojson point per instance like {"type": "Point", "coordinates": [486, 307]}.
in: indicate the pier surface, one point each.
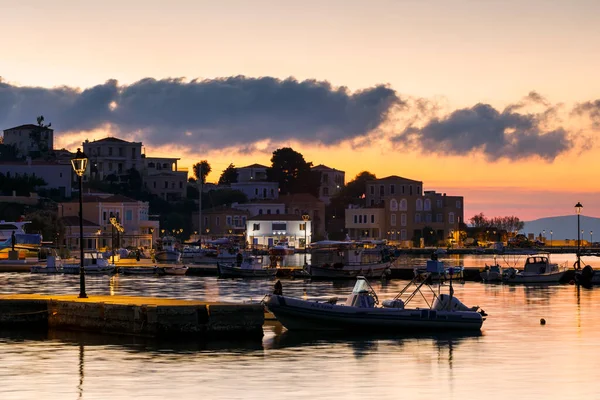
{"type": "Point", "coordinates": [142, 316]}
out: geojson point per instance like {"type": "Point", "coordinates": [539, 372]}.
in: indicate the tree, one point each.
{"type": "Point", "coordinates": [47, 223]}
{"type": "Point", "coordinates": [201, 170]}
{"type": "Point", "coordinates": [479, 221]}
{"type": "Point", "coordinates": [229, 175]}
{"type": "Point", "coordinates": [292, 172]}
{"type": "Point", "coordinates": [36, 137]}
{"type": "Point", "coordinates": [133, 181]}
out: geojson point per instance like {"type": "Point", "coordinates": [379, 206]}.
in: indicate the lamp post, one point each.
{"type": "Point", "coordinates": [578, 208]}
{"type": "Point", "coordinates": [591, 241]}
{"type": "Point", "coordinates": [305, 218]}
{"type": "Point", "coordinates": [79, 163]}
{"type": "Point", "coordinates": [550, 238]}
{"type": "Point", "coordinates": [544, 236]}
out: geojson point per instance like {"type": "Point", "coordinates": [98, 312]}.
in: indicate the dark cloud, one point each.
{"type": "Point", "coordinates": [213, 113]}
{"type": "Point", "coordinates": [590, 109]}
{"type": "Point", "coordinates": [484, 129]}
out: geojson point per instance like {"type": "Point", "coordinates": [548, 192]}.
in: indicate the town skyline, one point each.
{"type": "Point", "coordinates": [442, 93]}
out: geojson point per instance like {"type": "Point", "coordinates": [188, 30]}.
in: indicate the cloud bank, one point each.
{"type": "Point", "coordinates": [496, 134]}
{"type": "Point", "coordinates": [212, 113]}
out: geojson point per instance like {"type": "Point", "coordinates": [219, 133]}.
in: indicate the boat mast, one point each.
{"type": "Point", "coordinates": [200, 204]}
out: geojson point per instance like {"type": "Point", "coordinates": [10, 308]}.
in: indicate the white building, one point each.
{"type": "Point", "coordinates": [332, 181]}
{"type": "Point", "coordinates": [252, 181]}
{"type": "Point", "coordinates": [56, 176]}
{"type": "Point", "coordinates": [264, 207]}
{"type": "Point", "coordinates": [263, 231]}
{"type": "Point", "coordinates": [112, 156]}
{"type": "Point", "coordinates": [29, 139]}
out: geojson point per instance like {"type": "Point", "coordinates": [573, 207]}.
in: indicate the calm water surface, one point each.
{"type": "Point", "coordinates": [514, 356]}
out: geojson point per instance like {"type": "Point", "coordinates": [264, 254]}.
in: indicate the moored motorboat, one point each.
{"type": "Point", "coordinates": [537, 269]}
{"type": "Point", "coordinates": [282, 248]}
{"type": "Point", "coordinates": [248, 267]}
{"type": "Point", "coordinates": [167, 251]}
{"type": "Point", "coordinates": [361, 312]}
{"type": "Point", "coordinates": [53, 265]}
{"type": "Point", "coordinates": [94, 263]}
{"type": "Point", "coordinates": [491, 273]}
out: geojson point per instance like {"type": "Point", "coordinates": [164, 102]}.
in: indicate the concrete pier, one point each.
{"type": "Point", "coordinates": [140, 316]}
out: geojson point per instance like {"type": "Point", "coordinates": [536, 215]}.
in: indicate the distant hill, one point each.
{"type": "Point", "coordinates": [564, 227]}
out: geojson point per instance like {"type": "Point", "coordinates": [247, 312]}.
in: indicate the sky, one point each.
{"type": "Point", "coordinates": [496, 101]}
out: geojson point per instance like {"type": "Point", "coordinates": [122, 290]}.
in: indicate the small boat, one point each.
{"type": "Point", "coordinates": [249, 267]}
{"type": "Point", "coordinates": [537, 269]}
{"type": "Point", "coordinates": [282, 248]}
{"type": "Point", "coordinates": [491, 273]}
{"type": "Point", "coordinates": [138, 270]}
{"type": "Point", "coordinates": [587, 276]}
{"type": "Point", "coordinates": [175, 270]}
{"type": "Point", "coordinates": [347, 260]}
{"type": "Point", "coordinates": [53, 266]}
{"type": "Point", "coordinates": [167, 251]}
{"type": "Point", "coordinates": [457, 273]}
{"type": "Point", "coordinates": [94, 263]}
{"type": "Point", "coordinates": [361, 312]}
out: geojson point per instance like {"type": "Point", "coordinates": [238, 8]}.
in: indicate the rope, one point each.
{"type": "Point", "coordinates": [25, 313]}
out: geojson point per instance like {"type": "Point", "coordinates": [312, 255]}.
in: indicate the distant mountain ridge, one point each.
{"type": "Point", "coordinates": [564, 227]}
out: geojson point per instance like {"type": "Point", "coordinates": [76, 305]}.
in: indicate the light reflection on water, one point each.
{"type": "Point", "coordinates": [514, 356]}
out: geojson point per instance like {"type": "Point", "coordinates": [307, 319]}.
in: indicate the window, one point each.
{"type": "Point", "coordinates": [120, 152]}
{"type": "Point", "coordinates": [418, 218]}
{"type": "Point", "coordinates": [381, 190]}
{"type": "Point", "coordinates": [180, 185]}
{"type": "Point", "coordinates": [268, 211]}
{"type": "Point", "coordinates": [372, 202]}
{"type": "Point", "coordinates": [403, 219]}
{"type": "Point", "coordinates": [372, 218]}
{"type": "Point", "coordinates": [393, 220]}
{"type": "Point", "coordinates": [256, 227]}
{"type": "Point", "coordinates": [228, 219]}
{"type": "Point", "coordinates": [325, 178]}
{"type": "Point", "coordinates": [410, 190]}
{"type": "Point", "coordinates": [279, 226]}
{"type": "Point", "coordinates": [360, 219]}
{"type": "Point", "coordinates": [133, 153]}
{"type": "Point", "coordinates": [325, 191]}
{"type": "Point", "coordinates": [256, 191]}
{"type": "Point", "coordinates": [438, 218]}
{"type": "Point", "coordinates": [393, 205]}
{"type": "Point", "coordinates": [166, 185]}
{"type": "Point", "coordinates": [439, 203]}
{"type": "Point", "coordinates": [277, 211]}
{"type": "Point", "coordinates": [356, 219]}
{"type": "Point", "coordinates": [372, 189]}
{"type": "Point", "coordinates": [128, 215]}
{"type": "Point", "coordinates": [154, 184]}
{"type": "Point", "coordinates": [365, 218]}
{"type": "Point", "coordinates": [451, 218]}
{"type": "Point", "coordinates": [392, 189]}
{"type": "Point", "coordinates": [218, 221]}
{"type": "Point", "coordinates": [403, 234]}
{"type": "Point", "coordinates": [260, 211]}
{"type": "Point", "coordinates": [403, 205]}
{"type": "Point", "coordinates": [427, 203]}
{"type": "Point", "coordinates": [458, 205]}
{"type": "Point", "coordinates": [110, 151]}
{"type": "Point", "coordinates": [418, 189]}
{"type": "Point", "coordinates": [402, 187]}
{"type": "Point", "coordinates": [427, 217]}
{"type": "Point", "coordinates": [419, 204]}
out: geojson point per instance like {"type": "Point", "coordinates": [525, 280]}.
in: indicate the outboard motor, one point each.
{"type": "Point", "coordinates": [445, 302]}
{"type": "Point", "coordinates": [584, 278]}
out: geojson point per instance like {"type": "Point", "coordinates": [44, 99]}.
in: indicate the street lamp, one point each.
{"type": "Point", "coordinates": [305, 218]}
{"type": "Point", "coordinates": [113, 222]}
{"type": "Point", "coordinates": [550, 238]}
{"type": "Point", "coordinates": [591, 241]}
{"type": "Point", "coordinates": [79, 163]}
{"type": "Point", "coordinates": [544, 236]}
{"type": "Point", "coordinates": [578, 208]}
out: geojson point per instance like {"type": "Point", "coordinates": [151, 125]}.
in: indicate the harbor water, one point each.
{"type": "Point", "coordinates": [514, 356]}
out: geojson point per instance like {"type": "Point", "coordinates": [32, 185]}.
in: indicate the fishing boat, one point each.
{"type": "Point", "coordinates": [246, 267]}
{"type": "Point", "coordinates": [282, 248]}
{"type": "Point", "coordinates": [537, 269]}
{"type": "Point", "coordinates": [346, 260]}
{"type": "Point", "coordinates": [491, 273]}
{"type": "Point", "coordinates": [94, 263]}
{"type": "Point", "coordinates": [362, 312]}
{"type": "Point", "coordinates": [53, 265]}
{"type": "Point", "coordinates": [167, 251]}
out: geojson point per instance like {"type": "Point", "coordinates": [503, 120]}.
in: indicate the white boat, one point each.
{"type": "Point", "coordinates": [94, 263]}
{"type": "Point", "coordinates": [346, 260]}
{"type": "Point", "coordinates": [537, 269]}
{"type": "Point", "coordinates": [456, 273]}
{"type": "Point", "coordinates": [53, 265]}
{"type": "Point", "coordinates": [168, 252]}
{"type": "Point", "coordinates": [27, 244]}
{"type": "Point", "coordinates": [282, 248]}
{"type": "Point", "coordinates": [249, 267]}
{"type": "Point", "coordinates": [362, 313]}
{"type": "Point", "coordinates": [175, 270]}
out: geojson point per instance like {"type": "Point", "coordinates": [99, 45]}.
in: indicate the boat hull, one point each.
{"type": "Point", "coordinates": [554, 277]}
{"type": "Point", "coordinates": [181, 270]}
{"type": "Point", "coordinates": [348, 271]}
{"type": "Point", "coordinates": [302, 315]}
{"type": "Point", "coordinates": [233, 271]}
{"type": "Point", "coordinates": [138, 270]}
{"type": "Point", "coordinates": [89, 269]}
{"type": "Point", "coordinates": [168, 256]}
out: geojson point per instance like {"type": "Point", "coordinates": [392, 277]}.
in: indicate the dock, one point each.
{"type": "Point", "coordinates": [140, 316]}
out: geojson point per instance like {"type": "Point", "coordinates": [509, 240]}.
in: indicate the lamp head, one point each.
{"type": "Point", "coordinates": [578, 208]}
{"type": "Point", "coordinates": [79, 162]}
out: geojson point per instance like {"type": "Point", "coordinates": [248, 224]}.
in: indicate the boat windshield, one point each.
{"type": "Point", "coordinates": [361, 286]}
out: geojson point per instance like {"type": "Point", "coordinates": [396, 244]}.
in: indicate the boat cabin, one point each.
{"type": "Point", "coordinates": [539, 265]}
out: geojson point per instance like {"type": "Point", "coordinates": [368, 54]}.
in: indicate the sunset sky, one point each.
{"type": "Point", "coordinates": [498, 101]}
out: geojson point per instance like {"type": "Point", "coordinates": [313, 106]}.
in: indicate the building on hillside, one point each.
{"type": "Point", "coordinates": [131, 214]}
{"type": "Point", "coordinates": [57, 176]}
{"type": "Point", "coordinates": [112, 156]}
{"type": "Point", "coordinates": [261, 207]}
{"type": "Point", "coordinates": [29, 140]}
{"type": "Point", "coordinates": [264, 231]}
{"type": "Point", "coordinates": [221, 222]}
{"type": "Point", "coordinates": [305, 203]}
{"type": "Point", "coordinates": [398, 210]}
{"type": "Point", "coordinates": [92, 234]}
{"type": "Point", "coordinates": [252, 181]}
{"type": "Point", "coordinates": [332, 181]}
{"type": "Point", "coordinates": [162, 177]}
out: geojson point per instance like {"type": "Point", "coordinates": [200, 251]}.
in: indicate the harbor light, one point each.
{"type": "Point", "coordinates": [79, 163]}
{"type": "Point", "coordinates": [578, 208]}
